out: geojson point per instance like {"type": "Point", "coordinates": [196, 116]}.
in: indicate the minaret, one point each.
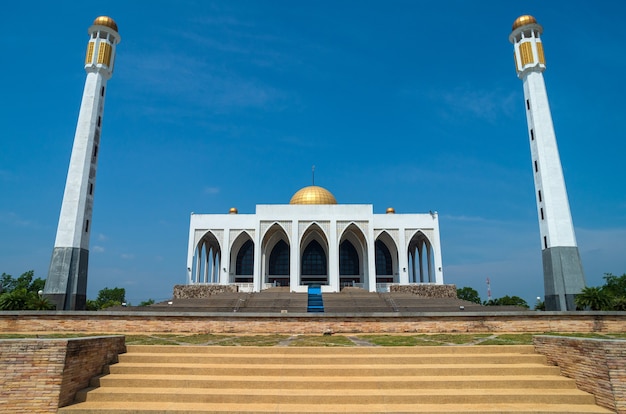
{"type": "Point", "coordinates": [562, 268]}
{"type": "Point", "coordinates": [66, 285]}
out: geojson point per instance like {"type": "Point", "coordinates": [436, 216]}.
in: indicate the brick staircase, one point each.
{"type": "Point", "coordinates": [453, 379]}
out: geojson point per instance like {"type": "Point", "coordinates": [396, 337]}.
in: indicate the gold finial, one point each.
{"type": "Point", "coordinates": [105, 21]}
{"type": "Point", "coordinates": [523, 21]}
{"type": "Point", "coordinates": [233, 210]}
{"type": "Point", "coordinates": [391, 210]}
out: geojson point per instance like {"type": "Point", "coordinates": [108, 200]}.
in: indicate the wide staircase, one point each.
{"type": "Point", "coordinates": [452, 379]}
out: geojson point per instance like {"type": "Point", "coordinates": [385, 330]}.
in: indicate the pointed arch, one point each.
{"type": "Point", "coordinates": [314, 256]}
{"type": "Point", "coordinates": [207, 258]}
{"type": "Point", "coordinates": [421, 259]}
{"type": "Point", "coordinates": [353, 257]}
{"type": "Point", "coordinates": [386, 259]}
{"type": "Point", "coordinates": [242, 259]}
{"type": "Point", "coordinates": [275, 256]}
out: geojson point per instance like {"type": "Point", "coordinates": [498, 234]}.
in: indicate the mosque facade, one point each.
{"type": "Point", "coordinates": [314, 241]}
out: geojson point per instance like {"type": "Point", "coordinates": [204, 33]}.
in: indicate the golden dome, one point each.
{"type": "Point", "coordinates": [523, 21]}
{"type": "Point", "coordinates": [105, 21]}
{"type": "Point", "coordinates": [233, 210]}
{"type": "Point", "coordinates": [313, 195]}
{"type": "Point", "coordinates": [391, 210]}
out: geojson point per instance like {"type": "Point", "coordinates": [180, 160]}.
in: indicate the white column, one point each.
{"type": "Point", "coordinates": [333, 258]}
{"type": "Point", "coordinates": [294, 255]}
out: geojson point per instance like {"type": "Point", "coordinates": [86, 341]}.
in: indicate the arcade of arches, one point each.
{"type": "Point", "coordinates": [314, 241]}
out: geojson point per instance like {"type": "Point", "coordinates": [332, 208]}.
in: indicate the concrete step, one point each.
{"type": "Point", "coordinates": [280, 350]}
{"type": "Point", "coordinates": [195, 408]}
{"type": "Point", "coordinates": [200, 379]}
{"type": "Point", "coordinates": [333, 383]}
{"type": "Point", "coordinates": [326, 359]}
{"type": "Point", "coordinates": [331, 370]}
{"type": "Point", "coordinates": [346, 396]}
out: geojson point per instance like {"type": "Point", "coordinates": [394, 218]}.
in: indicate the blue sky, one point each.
{"type": "Point", "coordinates": [407, 104]}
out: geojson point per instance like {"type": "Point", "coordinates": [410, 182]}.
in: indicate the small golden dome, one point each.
{"type": "Point", "coordinates": [233, 210]}
{"type": "Point", "coordinates": [523, 21]}
{"type": "Point", "coordinates": [391, 210]}
{"type": "Point", "coordinates": [105, 21]}
{"type": "Point", "coordinates": [313, 195]}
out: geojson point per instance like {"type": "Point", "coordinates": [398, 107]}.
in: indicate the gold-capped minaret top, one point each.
{"type": "Point", "coordinates": [105, 21]}
{"type": "Point", "coordinates": [391, 210]}
{"type": "Point", "coordinates": [233, 210]}
{"type": "Point", "coordinates": [523, 21]}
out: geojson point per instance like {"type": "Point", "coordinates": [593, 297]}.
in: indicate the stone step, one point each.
{"type": "Point", "coordinates": [331, 370]}
{"type": "Point", "coordinates": [345, 396]}
{"type": "Point", "coordinates": [459, 379]}
{"type": "Point", "coordinates": [195, 408]}
{"type": "Point", "coordinates": [349, 350]}
{"type": "Point", "coordinates": [325, 359]}
{"type": "Point", "coordinates": [335, 382]}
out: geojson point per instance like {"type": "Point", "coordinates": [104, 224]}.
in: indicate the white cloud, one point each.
{"type": "Point", "coordinates": [211, 190]}
{"type": "Point", "coordinates": [97, 249]}
{"type": "Point", "coordinates": [14, 219]}
{"type": "Point", "coordinates": [127, 256]}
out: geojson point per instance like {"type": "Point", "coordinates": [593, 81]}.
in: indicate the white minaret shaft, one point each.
{"type": "Point", "coordinates": [66, 285]}
{"type": "Point", "coordinates": [563, 274]}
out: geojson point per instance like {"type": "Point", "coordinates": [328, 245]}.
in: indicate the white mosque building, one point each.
{"type": "Point", "coordinates": [314, 241]}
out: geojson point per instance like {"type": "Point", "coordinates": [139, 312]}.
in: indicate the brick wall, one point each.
{"type": "Point", "coordinates": [249, 323]}
{"type": "Point", "coordinates": [426, 290]}
{"type": "Point", "coordinates": [40, 375]}
{"type": "Point", "coordinates": [201, 291]}
{"type": "Point", "coordinates": [597, 365]}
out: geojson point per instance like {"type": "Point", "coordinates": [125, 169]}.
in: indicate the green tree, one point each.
{"type": "Point", "coordinates": [22, 293]}
{"type": "Point", "coordinates": [469, 294]}
{"type": "Point", "coordinates": [15, 300]}
{"type": "Point", "coordinates": [106, 298]}
{"type": "Point", "coordinates": [619, 303]}
{"type": "Point", "coordinates": [615, 285]}
{"type": "Point", "coordinates": [147, 302]}
{"type": "Point", "coordinates": [507, 301]}
{"type": "Point", "coordinates": [594, 298]}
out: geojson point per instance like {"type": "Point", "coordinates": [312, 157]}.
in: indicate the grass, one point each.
{"type": "Point", "coordinates": [324, 340]}
{"type": "Point", "coordinates": [327, 340]}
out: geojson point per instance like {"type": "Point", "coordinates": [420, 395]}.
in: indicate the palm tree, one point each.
{"type": "Point", "coordinates": [593, 298]}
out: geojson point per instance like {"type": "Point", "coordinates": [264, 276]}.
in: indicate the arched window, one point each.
{"type": "Point", "coordinates": [314, 260]}
{"type": "Point", "coordinates": [348, 259]}
{"type": "Point", "coordinates": [384, 266]}
{"type": "Point", "coordinates": [279, 259]}
{"type": "Point", "coordinates": [245, 259]}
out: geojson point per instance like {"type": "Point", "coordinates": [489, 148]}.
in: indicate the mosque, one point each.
{"type": "Point", "coordinates": [313, 240]}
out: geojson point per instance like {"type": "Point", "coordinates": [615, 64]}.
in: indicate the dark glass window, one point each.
{"type": "Point", "coordinates": [279, 259]}
{"type": "Point", "coordinates": [348, 259]}
{"type": "Point", "coordinates": [314, 260]}
{"type": "Point", "coordinates": [532, 135]}
{"type": "Point", "coordinates": [384, 265]}
{"type": "Point", "coordinates": [245, 259]}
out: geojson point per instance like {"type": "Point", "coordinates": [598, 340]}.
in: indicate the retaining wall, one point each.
{"type": "Point", "coordinates": [201, 291]}
{"type": "Point", "coordinates": [41, 375]}
{"type": "Point", "coordinates": [303, 323]}
{"type": "Point", "coordinates": [427, 290]}
{"type": "Point", "coordinates": [597, 365]}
